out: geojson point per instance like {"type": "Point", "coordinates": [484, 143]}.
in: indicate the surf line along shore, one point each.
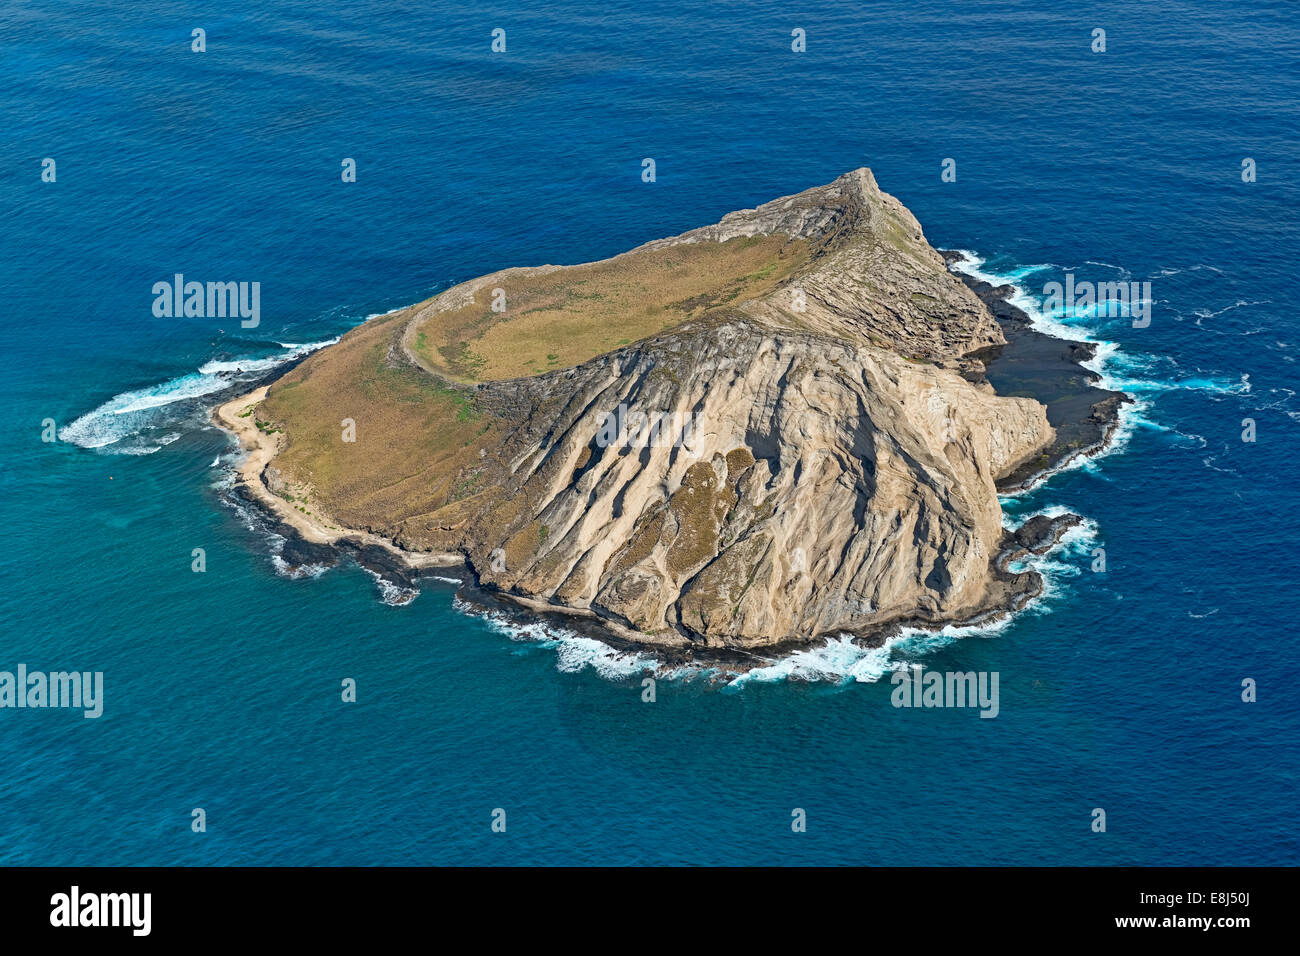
{"type": "Point", "coordinates": [311, 540]}
{"type": "Point", "coordinates": [816, 436]}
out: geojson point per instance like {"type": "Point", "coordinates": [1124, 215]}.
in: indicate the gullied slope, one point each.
{"type": "Point", "coordinates": [822, 463]}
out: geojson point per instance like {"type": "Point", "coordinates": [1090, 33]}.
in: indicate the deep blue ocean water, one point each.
{"type": "Point", "coordinates": [1119, 690]}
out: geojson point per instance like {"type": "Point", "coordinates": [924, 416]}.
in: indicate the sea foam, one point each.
{"type": "Point", "coordinates": [135, 413]}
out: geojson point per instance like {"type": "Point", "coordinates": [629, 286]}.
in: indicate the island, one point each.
{"type": "Point", "coordinates": [791, 424]}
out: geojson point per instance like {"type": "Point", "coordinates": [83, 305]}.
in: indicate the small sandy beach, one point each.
{"type": "Point", "coordinates": [260, 448]}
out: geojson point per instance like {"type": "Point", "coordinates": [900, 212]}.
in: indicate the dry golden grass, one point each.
{"type": "Point", "coordinates": [424, 451]}
{"type": "Point", "coordinates": [417, 440]}
{"type": "Point", "coordinates": [565, 317]}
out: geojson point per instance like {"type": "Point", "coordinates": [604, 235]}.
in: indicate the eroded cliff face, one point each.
{"type": "Point", "coordinates": [820, 466]}
{"type": "Point", "coordinates": [820, 487]}
{"type": "Point", "coordinates": [873, 280]}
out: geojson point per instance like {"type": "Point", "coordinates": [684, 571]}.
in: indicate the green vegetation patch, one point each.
{"type": "Point", "coordinates": [700, 506]}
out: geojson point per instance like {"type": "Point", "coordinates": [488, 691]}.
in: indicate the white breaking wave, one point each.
{"type": "Point", "coordinates": [240, 366]}
{"type": "Point", "coordinates": [394, 595]}
{"type": "Point", "coordinates": [126, 415]}
{"type": "Point", "coordinates": [573, 652]}
{"type": "Point", "coordinates": [117, 418]}
{"type": "Point", "coordinates": [839, 660]}
{"type": "Point", "coordinates": [1011, 522]}
{"type": "Point", "coordinates": [1119, 372]}
{"type": "Point", "coordinates": [297, 572]}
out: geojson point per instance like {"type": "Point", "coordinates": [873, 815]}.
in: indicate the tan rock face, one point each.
{"type": "Point", "coordinates": [875, 278]}
{"type": "Point", "coordinates": [837, 473]}
{"type": "Point", "coordinates": [821, 487]}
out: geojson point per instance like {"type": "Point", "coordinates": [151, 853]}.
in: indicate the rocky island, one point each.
{"type": "Point", "coordinates": [790, 424]}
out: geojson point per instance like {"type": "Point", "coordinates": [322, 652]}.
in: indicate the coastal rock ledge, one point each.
{"type": "Point", "coordinates": [840, 472]}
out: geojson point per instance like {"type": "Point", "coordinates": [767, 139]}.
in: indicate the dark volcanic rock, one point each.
{"type": "Point", "coordinates": [1048, 369]}
{"type": "Point", "coordinates": [1037, 535]}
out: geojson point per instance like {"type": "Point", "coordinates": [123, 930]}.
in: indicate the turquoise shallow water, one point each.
{"type": "Point", "coordinates": [1118, 690]}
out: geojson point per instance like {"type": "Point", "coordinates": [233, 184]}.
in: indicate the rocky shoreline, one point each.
{"type": "Point", "coordinates": [306, 547]}
{"type": "Point", "coordinates": [1050, 370]}
{"type": "Point", "coordinates": [1037, 536]}
{"type": "Point", "coordinates": [975, 394]}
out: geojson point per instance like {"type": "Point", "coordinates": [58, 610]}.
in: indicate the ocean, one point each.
{"type": "Point", "coordinates": [1120, 690]}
